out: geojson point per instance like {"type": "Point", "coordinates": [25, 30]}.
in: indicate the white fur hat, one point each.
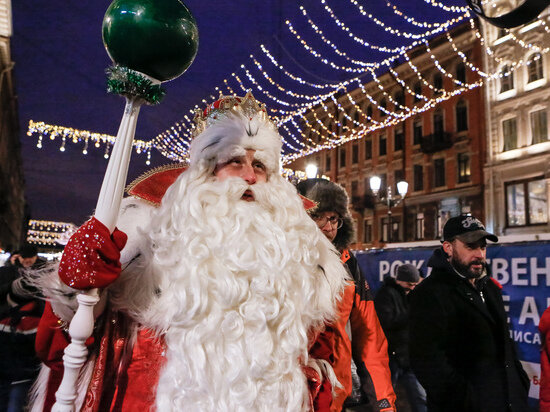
{"type": "Point", "coordinates": [230, 126]}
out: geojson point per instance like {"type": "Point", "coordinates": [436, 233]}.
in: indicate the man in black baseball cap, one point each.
{"type": "Point", "coordinates": [459, 343]}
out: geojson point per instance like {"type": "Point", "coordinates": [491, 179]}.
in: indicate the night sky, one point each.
{"type": "Point", "coordinates": [60, 64]}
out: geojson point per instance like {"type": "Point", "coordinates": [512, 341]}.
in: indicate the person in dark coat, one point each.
{"type": "Point", "coordinates": [392, 307]}
{"type": "Point", "coordinates": [460, 346]}
{"type": "Point", "coordinates": [20, 312]}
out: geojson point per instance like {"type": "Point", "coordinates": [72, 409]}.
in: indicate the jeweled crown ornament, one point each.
{"type": "Point", "coordinates": [221, 108]}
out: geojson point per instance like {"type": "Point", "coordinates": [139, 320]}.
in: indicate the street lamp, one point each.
{"type": "Point", "coordinates": [391, 201]}
{"type": "Point", "coordinates": [311, 171]}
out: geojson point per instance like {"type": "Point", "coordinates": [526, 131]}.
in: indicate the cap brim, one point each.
{"type": "Point", "coordinates": [470, 237]}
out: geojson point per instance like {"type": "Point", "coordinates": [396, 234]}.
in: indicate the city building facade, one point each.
{"type": "Point", "coordinates": [517, 171]}
{"type": "Point", "coordinates": [12, 184]}
{"type": "Point", "coordinates": [438, 148]}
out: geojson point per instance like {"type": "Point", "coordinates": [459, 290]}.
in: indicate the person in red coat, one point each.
{"type": "Point", "coordinates": [544, 395]}
{"type": "Point", "coordinates": [217, 299]}
{"type": "Point", "coordinates": [361, 350]}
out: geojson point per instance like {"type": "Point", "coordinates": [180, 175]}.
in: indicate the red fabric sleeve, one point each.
{"type": "Point", "coordinates": [319, 387]}
{"type": "Point", "coordinates": [544, 327]}
{"type": "Point", "coordinates": [91, 258]}
{"type": "Point", "coordinates": [370, 345]}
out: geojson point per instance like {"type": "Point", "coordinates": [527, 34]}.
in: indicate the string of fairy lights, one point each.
{"type": "Point", "coordinates": [48, 233]}
{"type": "Point", "coordinates": [314, 113]}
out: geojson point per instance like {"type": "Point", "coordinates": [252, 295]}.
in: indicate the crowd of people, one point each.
{"type": "Point", "coordinates": [226, 288]}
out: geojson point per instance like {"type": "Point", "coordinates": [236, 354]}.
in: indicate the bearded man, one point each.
{"type": "Point", "coordinates": [225, 284]}
{"type": "Point", "coordinates": [459, 341]}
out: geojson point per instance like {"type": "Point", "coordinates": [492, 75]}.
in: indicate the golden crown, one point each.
{"type": "Point", "coordinates": [221, 108]}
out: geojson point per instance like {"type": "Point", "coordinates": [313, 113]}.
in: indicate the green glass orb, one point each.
{"type": "Point", "coordinates": [156, 37]}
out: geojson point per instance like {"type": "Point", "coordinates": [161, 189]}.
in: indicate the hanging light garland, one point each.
{"type": "Point", "coordinates": [48, 233]}
{"type": "Point", "coordinates": [79, 136]}
{"type": "Point", "coordinates": [314, 116]}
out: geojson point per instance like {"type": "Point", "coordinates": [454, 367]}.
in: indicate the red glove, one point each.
{"type": "Point", "coordinates": [91, 259]}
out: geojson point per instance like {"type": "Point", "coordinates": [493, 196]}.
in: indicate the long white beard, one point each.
{"type": "Point", "coordinates": [240, 286]}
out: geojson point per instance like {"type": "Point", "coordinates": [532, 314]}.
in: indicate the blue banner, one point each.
{"type": "Point", "coordinates": [523, 270]}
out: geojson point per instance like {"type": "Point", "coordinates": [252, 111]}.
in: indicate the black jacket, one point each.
{"type": "Point", "coordinates": [392, 307]}
{"type": "Point", "coordinates": [460, 346]}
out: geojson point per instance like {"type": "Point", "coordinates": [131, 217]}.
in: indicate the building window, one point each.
{"type": "Point", "coordinates": [438, 83]}
{"type": "Point", "coordinates": [464, 173]}
{"type": "Point", "coordinates": [344, 123]}
{"type": "Point", "coordinates": [419, 227]}
{"type": "Point", "coordinates": [417, 89]}
{"type": "Point", "coordinates": [355, 153]}
{"type": "Point", "coordinates": [354, 188]}
{"type": "Point", "coordinates": [367, 231]}
{"type": "Point", "coordinates": [369, 112]}
{"type": "Point", "coordinates": [342, 151]}
{"type": "Point", "coordinates": [356, 118]}
{"type": "Point", "coordinates": [439, 172]}
{"type": "Point", "coordinates": [328, 159]}
{"type": "Point", "coordinates": [509, 134]}
{"type": "Point", "coordinates": [418, 178]}
{"type": "Point", "coordinates": [395, 235]}
{"type": "Point", "coordinates": [539, 126]}
{"type": "Point", "coordinates": [398, 139]}
{"type": "Point", "coordinates": [399, 99]}
{"type": "Point", "coordinates": [461, 72]}
{"type": "Point", "coordinates": [382, 107]}
{"type": "Point", "coordinates": [527, 203]}
{"type": "Point", "coordinates": [417, 131]}
{"type": "Point", "coordinates": [507, 79]}
{"type": "Point", "coordinates": [439, 126]}
{"type": "Point", "coordinates": [461, 111]}
{"type": "Point", "coordinates": [382, 143]}
{"type": "Point", "coordinates": [368, 149]}
{"type": "Point", "coordinates": [534, 68]}
{"type": "Point", "coordinates": [398, 176]}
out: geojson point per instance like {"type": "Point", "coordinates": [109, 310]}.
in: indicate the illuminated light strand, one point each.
{"type": "Point", "coordinates": [281, 88]}
{"type": "Point", "coordinates": [359, 40]}
{"type": "Point", "coordinates": [293, 77]}
{"type": "Point", "coordinates": [464, 58]}
{"type": "Point", "coordinates": [75, 135]}
{"type": "Point", "coordinates": [389, 122]}
{"type": "Point", "coordinates": [399, 33]}
{"type": "Point", "coordinates": [405, 86]}
{"type": "Point", "coordinates": [259, 87]}
{"type": "Point", "coordinates": [420, 77]}
{"type": "Point", "coordinates": [289, 133]}
{"type": "Point", "coordinates": [47, 232]}
{"type": "Point", "coordinates": [358, 107]}
{"type": "Point", "coordinates": [300, 131]}
{"type": "Point", "coordinates": [318, 55]}
{"type": "Point", "coordinates": [410, 19]}
{"type": "Point", "coordinates": [390, 98]}
{"type": "Point", "coordinates": [454, 9]}
{"type": "Point", "coordinates": [440, 67]}
{"type": "Point", "coordinates": [328, 42]}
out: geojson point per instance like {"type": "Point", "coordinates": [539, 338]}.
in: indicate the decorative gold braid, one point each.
{"type": "Point", "coordinates": [246, 105]}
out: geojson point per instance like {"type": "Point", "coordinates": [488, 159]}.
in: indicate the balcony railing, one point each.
{"type": "Point", "coordinates": [436, 142]}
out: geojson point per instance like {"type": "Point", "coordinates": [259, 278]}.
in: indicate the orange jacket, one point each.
{"type": "Point", "coordinates": [367, 346]}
